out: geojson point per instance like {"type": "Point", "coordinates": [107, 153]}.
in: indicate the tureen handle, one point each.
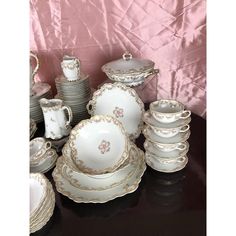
{"type": "Point", "coordinates": [37, 65]}
{"type": "Point", "coordinates": [154, 71]}
{"type": "Point", "coordinates": [70, 114]}
{"type": "Point", "coordinates": [127, 56]}
{"type": "Point", "coordinates": [89, 107]}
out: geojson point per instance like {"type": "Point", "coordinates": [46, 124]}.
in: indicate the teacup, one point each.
{"type": "Point", "coordinates": [166, 150]}
{"type": "Point", "coordinates": [169, 132]}
{"type": "Point", "coordinates": [71, 68]}
{"type": "Point", "coordinates": [167, 111]}
{"type": "Point", "coordinates": [38, 147]}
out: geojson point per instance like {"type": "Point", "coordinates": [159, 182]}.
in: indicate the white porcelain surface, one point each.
{"type": "Point", "coordinates": [45, 163]}
{"type": "Point", "coordinates": [166, 151]}
{"type": "Point", "coordinates": [88, 196]}
{"type": "Point", "coordinates": [150, 120]}
{"type": "Point", "coordinates": [166, 165]}
{"type": "Point", "coordinates": [99, 144]}
{"type": "Point", "coordinates": [71, 68]}
{"type": "Point", "coordinates": [38, 147]}
{"type": "Point", "coordinates": [168, 111]}
{"type": "Point", "coordinates": [168, 133]}
{"type": "Point", "coordinates": [40, 216]}
{"type": "Point", "coordinates": [37, 194]}
{"type": "Point", "coordinates": [120, 102]}
{"type": "Point", "coordinates": [178, 138]}
{"type": "Point", "coordinates": [56, 123]}
{"type": "Point", "coordinates": [97, 182]}
{"type": "Point", "coordinates": [129, 69]}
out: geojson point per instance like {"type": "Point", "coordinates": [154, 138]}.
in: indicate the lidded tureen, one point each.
{"type": "Point", "coordinates": [128, 70]}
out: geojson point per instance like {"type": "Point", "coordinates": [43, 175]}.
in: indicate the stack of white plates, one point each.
{"type": "Point", "coordinates": [33, 128]}
{"type": "Point", "coordinates": [40, 90]}
{"type": "Point", "coordinates": [42, 156]}
{"type": "Point", "coordinates": [75, 94]}
{"type": "Point", "coordinates": [166, 132]}
{"type": "Point", "coordinates": [42, 201]}
{"type": "Point", "coordinates": [99, 163]}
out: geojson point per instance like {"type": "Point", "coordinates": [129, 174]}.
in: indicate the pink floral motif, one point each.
{"type": "Point", "coordinates": [104, 146]}
{"type": "Point", "coordinates": [118, 112]}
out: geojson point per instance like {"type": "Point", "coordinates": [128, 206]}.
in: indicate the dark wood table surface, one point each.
{"type": "Point", "coordinates": [163, 205]}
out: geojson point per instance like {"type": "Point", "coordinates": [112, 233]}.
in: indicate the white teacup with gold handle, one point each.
{"type": "Point", "coordinates": [71, 68]}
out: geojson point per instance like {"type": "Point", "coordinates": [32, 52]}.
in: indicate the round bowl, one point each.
{"type": "Point", "coordinates": [99, 144]}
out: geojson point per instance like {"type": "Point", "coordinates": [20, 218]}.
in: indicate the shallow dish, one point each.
{"type": "Point", "coordinates": [120, 102]}
{"type": "Point", "coordinates": [168, 111]}
{"type": "Point", "coordinates": [151, 136]}
{"type": "Point", "coordinates": [150, 120]}
{"type": "Point", "coordinates": [100, 182]}
{"type": "Point", "coordinates": [84, 196]}
{"type": "Point", "coordinates": [161, 152]}
{"type": "Point", "coordinates": [98, 144]}
{"type": "Point", "coordinates": [166, 165]}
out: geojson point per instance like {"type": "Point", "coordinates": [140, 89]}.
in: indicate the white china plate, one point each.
{"type": "Point", "coordinates": [178, 138]}
{"type": "Point", "coordinates": [121, 102]}
{"type": "Point", "coordinates": [151, 148]}
{"type": "Point", "coordinates": [79, 196]}
{"type": "Point", "coordinates": [159, 165]}
{"type": "Point", "coordinates": [97, 182]}
{"type": "Point", "coordinates": [98, 144]}
{"type": "Point", "coordinates": [150, 120]}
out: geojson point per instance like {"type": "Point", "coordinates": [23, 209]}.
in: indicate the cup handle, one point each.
{"type": "Point", "coordinates": [68, 109]}
{"type": "Point", "coordinates": [184, 128]}
{"type": "Point", "coordinates": [181, 146]}
{"type": "Point", "coordinates": [37, 65]}
{"type": "Point", "coordinates": [180, 159]}
{"type": "Point", "coordinates": [89, 107]}
{"type": "Point", "coordinates": [185, 114]}
{"type": "Point", "coordinates": [48, 145]}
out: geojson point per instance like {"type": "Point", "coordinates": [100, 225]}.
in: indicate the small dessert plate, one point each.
{"type": "Point", "coordinates": [99, 145]}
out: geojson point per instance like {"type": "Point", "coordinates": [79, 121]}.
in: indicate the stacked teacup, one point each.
{"type": "Point", "coordinates": [166, 132]}
{"type": "Point", "coordinates": [42, 201]}
{"type": "Point", "coordinates": [42, 156]}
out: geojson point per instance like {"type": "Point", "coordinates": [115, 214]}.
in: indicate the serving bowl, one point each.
{"type": "Point", "coordinates": [168, 111]}
{"type": "Point", "coordinates": [99, 144]}
{"type": "Point", "coordinates": [129, 70]}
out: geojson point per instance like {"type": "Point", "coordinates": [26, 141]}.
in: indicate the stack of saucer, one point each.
{"type": "Point", "coordinates": [75, 94]}
{"type": "Point", "coordinates": [33, 128]}
{"type": "Point", "coordinates": [166, 132]}
{"type": "Point", "coordinates": [42, 156]}
{"type": "Point", "coordinates": [42, 201]}
{"type": "Point", "coordinates": [40, 90]}
{"type": "Point", "coordinates": [99, 163]}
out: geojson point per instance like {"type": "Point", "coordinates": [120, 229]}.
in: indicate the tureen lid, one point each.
{"type": "Point", "coordinates": [127, 65]}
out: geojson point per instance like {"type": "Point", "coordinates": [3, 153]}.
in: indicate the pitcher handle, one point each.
{"type": "Point", "coordinates": [70, 114]}
{"type": "Point", "coordinates": [37, 65]}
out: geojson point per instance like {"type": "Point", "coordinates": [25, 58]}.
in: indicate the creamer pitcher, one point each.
{"type": "Point", "coordinates": [56, 123]}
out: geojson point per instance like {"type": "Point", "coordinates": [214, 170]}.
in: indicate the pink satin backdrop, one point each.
{"type": "Point", "coordinates": [172, 33]}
